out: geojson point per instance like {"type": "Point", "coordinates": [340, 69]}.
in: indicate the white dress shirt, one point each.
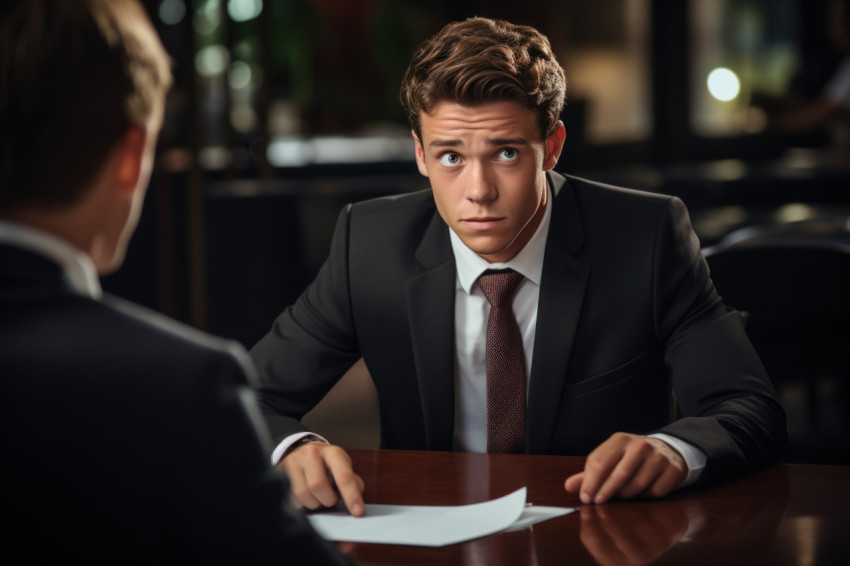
{"type": "Point", "coordinates": [78, 268]}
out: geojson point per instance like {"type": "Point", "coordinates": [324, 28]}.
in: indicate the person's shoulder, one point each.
{"type": "Point", "coordinates": [414, 201]}
{"type": "Point", "coordinates": [160, 335]}
{"type": "Point", "coordinates": [600, 208]}
{"type": "Point", "coordinates": [100, 343]}
{"type": "Point", "coordinates": [588, 189]}
{"type": "Point", "coordinates": [396, 220]}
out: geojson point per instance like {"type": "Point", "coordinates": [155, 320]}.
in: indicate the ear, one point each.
{"type": "Point", "coordinates": [129, 157]}
{"type": "Point", "coordinates": [420, 155]}
{"type": "Point", "coordinates": [554, 145]}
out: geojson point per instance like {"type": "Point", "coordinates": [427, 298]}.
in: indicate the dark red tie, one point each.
{"type": "Point", "coordinates": [505, 367]}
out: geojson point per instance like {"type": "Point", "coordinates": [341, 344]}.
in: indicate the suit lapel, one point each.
{"type": "Point", "coordinates": [430, 304]}
{"type": "Point", "coordinates": [562, 292]}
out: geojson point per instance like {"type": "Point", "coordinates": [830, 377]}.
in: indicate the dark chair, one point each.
{"type": "Point", "coordinates": [793, 283]}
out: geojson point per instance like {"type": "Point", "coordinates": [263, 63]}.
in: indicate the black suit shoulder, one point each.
{"type": "Point", "coordinates": [422, 199]}
{"type": "Point", "coordinates": [157, 333]}
{"type": "Point", "coordinates": [609, 191]}
{"type": "Point", "coordinates": [104, 343]}
{"type": "Point", "coordinates": [601, 201]}
{"type": "Point", "coordinates": [131, 436]}
{"type": "Point", "coordinates": [598, 216]}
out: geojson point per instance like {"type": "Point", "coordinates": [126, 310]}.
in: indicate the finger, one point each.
{"type": "Point", "coordinates": [601, 464]}
{"type": "Point", "coordinates": [573, 483]}
{"type": "Point", "coordinates": [661, 472]}
{"type": "Point", "coordinates": [317, 474]}
{"type": "Point", "coordinates": [349, 485]}
{"type": "Point", "coordinates": [666, 482]}
{"type": "Point", "coordinates": [620, 476]}
{"type": "Point", "coordinates": [651, 468]}
{"type": "Point", "coordinates": [299, 490]}
{"type": "Point", "coordinates": [623, 473]}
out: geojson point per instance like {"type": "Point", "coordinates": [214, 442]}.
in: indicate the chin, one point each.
{"type": "Point", "coordinates": [498, 255]}
{"type": "Point", "coordinates": [488, 247]}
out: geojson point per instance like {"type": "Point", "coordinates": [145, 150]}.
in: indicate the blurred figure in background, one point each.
{"type": "Point", "coordinates": [831, 109]}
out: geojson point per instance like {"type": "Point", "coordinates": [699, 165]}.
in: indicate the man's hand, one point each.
{"type": "Point", "coordinates": [319, 474]}
{"type": "Point", "coordinates": [628, 465]}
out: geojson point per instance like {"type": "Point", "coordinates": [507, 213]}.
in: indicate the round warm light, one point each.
{"type": "Point", "coordinates": [723, 84]}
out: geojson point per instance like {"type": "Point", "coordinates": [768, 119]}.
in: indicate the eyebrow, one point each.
{"type": "Point", "coordinates": [507, 141]}
{"type": "Point", "coordinates": [445, 143]}
{"type": "Point", "coordinates": [488, 141]}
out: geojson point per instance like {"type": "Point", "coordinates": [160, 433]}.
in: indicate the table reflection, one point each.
{"type": "Point", "coordinates": [644, 532]}
{"type": "Point", "coordinates": [631, 536]}
{"type": "Point", "coordinates": [785, 515]}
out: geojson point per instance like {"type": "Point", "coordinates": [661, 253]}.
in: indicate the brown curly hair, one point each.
{"type": "Point", "coordinates": [481, 60]}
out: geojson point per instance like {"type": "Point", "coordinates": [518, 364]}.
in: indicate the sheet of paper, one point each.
{"type": "Point", "coordinates": [537, 513]}
{"type": "Point", "coordinates": [426, 525]}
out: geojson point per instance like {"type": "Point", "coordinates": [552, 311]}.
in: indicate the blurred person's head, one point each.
{"type": "Point", "coordinates": [82, 95]}
{"type": "Point", "coordinates": [481, 60]}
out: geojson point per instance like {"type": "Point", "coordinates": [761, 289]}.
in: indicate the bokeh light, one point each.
{"type": "Point", "coordinates": [244, 10]}
{"type": "Point", "coordinates": [723, 84]}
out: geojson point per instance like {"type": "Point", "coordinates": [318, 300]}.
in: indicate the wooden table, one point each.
{"type": "Point", "coordinates": [788, 514]}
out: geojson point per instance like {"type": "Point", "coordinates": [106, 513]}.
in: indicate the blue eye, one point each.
{"type": "Point", "coordinates": [450, 159]}
{"type": "Point", "coordinates": [508, 154]}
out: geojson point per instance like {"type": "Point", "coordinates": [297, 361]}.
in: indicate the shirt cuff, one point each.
{"type": "Point", "coordinates": [695, 458]}
{"type": "Point", "coordinates": [290, 442]}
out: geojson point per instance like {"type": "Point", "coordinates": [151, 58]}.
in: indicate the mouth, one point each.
{"type": "Point", "coordinates": [482, 222]}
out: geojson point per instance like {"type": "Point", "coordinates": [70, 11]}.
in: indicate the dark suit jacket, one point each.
{"type": "Point", "coordinates": [626, 310]}
{"type": "Point", "coordinates": [128, 438]}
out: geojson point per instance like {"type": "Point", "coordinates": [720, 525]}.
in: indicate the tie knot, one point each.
{"type": "Point", "coordinates": [499, 286]}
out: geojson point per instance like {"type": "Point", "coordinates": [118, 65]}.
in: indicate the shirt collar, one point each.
{"type": "Point", "coordinates": [528, 262]}
{"type": "Point", "coordinates": [78, 267]}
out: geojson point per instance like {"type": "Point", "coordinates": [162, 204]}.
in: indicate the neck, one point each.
{"type": "Point", "coordinates": [79, 224]}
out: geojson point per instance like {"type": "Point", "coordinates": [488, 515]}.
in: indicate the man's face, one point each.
{"type": "Point", "coordinates": [487, 166]}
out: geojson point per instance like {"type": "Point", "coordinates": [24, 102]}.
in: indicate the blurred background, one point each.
{"type": "Point", "coordinates": [283, 111]}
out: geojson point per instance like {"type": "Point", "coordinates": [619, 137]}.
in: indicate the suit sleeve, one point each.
{"type": "Point", "coordinates": [728, 405]}
{"type": "Point", "coordinates": [234, 506]}
{"type": "Point", "coordinates": [311, 344]}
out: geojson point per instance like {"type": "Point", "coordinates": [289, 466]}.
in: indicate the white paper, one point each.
{"type": "Point", "coordinates": [427, 525]}
{"type": "Point", "coordinates": [537, 513]}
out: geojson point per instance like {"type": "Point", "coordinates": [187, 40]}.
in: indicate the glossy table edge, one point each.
{"type": "Point", "coordinates": [785, 514]}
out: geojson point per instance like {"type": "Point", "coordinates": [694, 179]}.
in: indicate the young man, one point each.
{"type": "Point", "coordinates": [126, 437]}
{"type": "Point", "coordinates": [612, 307]}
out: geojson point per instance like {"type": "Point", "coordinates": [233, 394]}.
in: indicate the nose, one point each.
{"type": "Point", "coordinates": [480, 183]}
